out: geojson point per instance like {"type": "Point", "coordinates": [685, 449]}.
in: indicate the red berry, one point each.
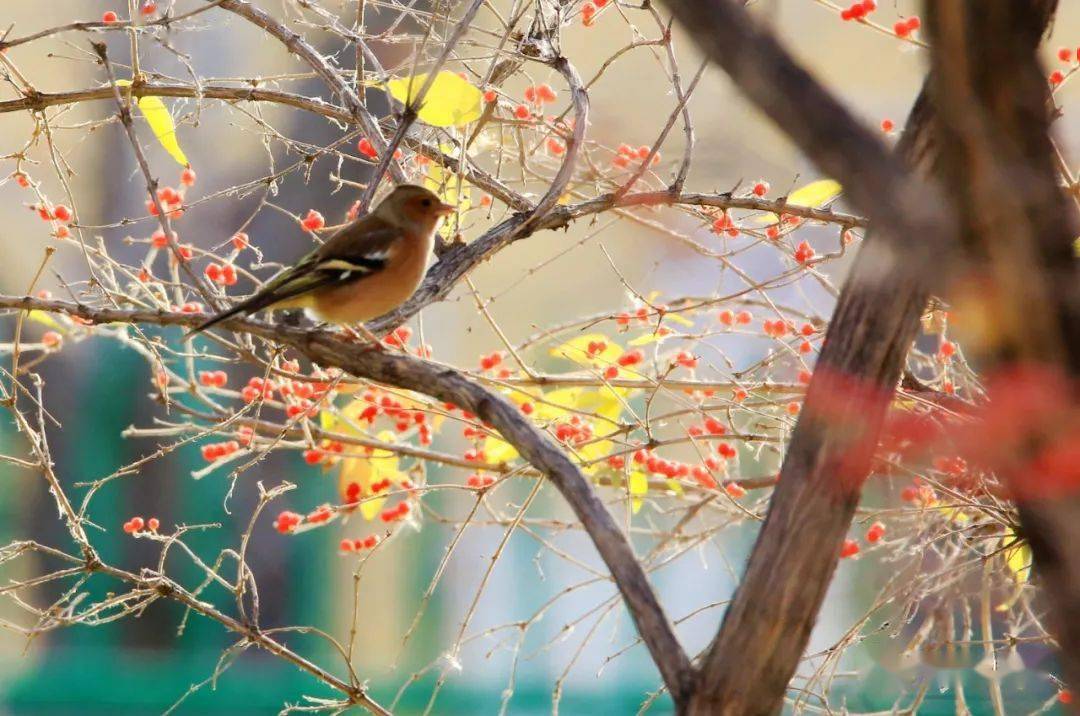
{"type": "Point", "coordinates": [149, 7]}
{"type": "Point", "coordinates": [1056, 77]}
{"type": "Point", "coordinates": [287, 521]}
{"type": "Point", "coordinates": [1065, 54]}
{"type": "Point", "coordinates": [804, 252]}
{"type": "Point", "coordinates": [187, 177]}
{"type": "Point", "coordinates": [240, 241]}
{"type": "Point", "coordinates": [52, 339]}
{"type": "Point", "coordinates": [631, 358]}
{"type": "Point", "coordinates": [228, 274]}
{"type": "Point", "coordinates": [761, 188]}
{"type": "Point", "coordinates": [714, 426]}
{"type": "Point", "coordinates": [887, 125]}
{"type": "Point", "coordinates": [875, 533]}
{"type": "Point", "coordinates": [62, 213]}
{"type": "Point", "coordinates": [530, 93]}
{"type": "Point", "coordinates": [365, 147]}
{"type": "Point", "coordinates": [850, 548]}
{"type": "Point", "coordinates": [545, 93]}
{"type": "Point", "coordinates": [213, 272]}
{"type": "Point", "coordinates": [152, 524]}
{"type": "Point", "coordinates": [313, 221]}
{"type": "Point", "coordinates": [521, 112]}
{"type": "Point", "coordinates": [490, 96]}
{"type": "Point", "coordinates": [109, 16]}
{"type": "Point", "coordinates": [901, 29]}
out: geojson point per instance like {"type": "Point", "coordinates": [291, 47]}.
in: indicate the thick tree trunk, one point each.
{"type": "Point", "coordinates": [748, 667]}
{"type": "Point", "coordinates": [1018, 228]}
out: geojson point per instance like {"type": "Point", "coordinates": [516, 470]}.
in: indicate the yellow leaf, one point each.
{"type": "Point", "coordinates": [161, 124]}
{"type": "Point", "coordinates": [1018, 560]}
{"type": "Point", "coordinates": [815, 194]}
{"type": "Point", "coordinates": [639, 485]}
{"type": "Point", "coordinates": [577, 350]}
{"type": "Point", "coordinates": [645, 339]}
{"type": "Point", "coordinates": [44, 319]}
{"type": "Point", "coordinates": [365, 471]}
{"type": "Point", "coordinates": [498, 450]}
{"type": "Point", "coordinates": [326, 420]}
{"type": "Point", "coordinates": [604, 402]}
{"type": "Point", "coordinates": [1076, 247]}
{"type": "Point", "coordinates": [451, 101]}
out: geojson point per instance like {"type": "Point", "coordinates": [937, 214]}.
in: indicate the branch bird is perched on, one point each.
{"type": "Point", "coordinates": [366, 269]}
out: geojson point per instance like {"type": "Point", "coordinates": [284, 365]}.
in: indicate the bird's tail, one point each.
{"type": "Point", "coordinates": [255, 303]}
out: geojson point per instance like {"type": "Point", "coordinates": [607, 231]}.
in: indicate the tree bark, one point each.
{"type": "Point", "coordinates": [747, 668]}
{"type": "Point", "coordinates": [1018, 229]}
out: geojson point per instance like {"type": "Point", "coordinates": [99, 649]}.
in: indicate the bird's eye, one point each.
{"type": "Point", "coordinates": [426, 202]}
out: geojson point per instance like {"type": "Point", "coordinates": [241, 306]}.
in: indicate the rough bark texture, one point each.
{"type": "Point", "coordinates": [1018, 228]}
{"type": "Point", "coordinates": [765, 630]}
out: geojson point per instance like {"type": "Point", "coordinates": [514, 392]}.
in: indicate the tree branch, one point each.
{"type": "Point", "coordinates": [446, 384]}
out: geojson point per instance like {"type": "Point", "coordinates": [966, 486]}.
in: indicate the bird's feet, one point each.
{"type": "Point", "coordinates": [361, 334]}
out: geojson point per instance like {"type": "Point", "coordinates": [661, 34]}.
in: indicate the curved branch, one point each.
{"type": "Point", "coordinates": [446, 384]}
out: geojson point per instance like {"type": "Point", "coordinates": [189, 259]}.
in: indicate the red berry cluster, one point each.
{"type": "Point", "coordinates": [396, 513]}
{"type": "Point", "coordinates": [729, 318]}
{"type": "Point", "coordinates": [355, 545]}
{"type": "Point", "coordinates": [630, 358]}
{"type": "Point", "coordinates": [213, 452]}
{"type": "Point", "coordinates": [313, 221]}
{"type": "Point", "coordinates": [775, 329]}
{"type": "Point", "coordinates": [858, 10]}
{"type": "Point", "coordinates": [478, 482]}
{"type": "Point", "coordinates": [905, 28]}
{"type": "Point", "coordinates": [589, 10]}
{"type": "Point", "coordinates": [575, 431]}
{"type": "Point", "coordinates": [626, 154]}
{"type": "Point", "coordinates": [724, 224]}
{"type": "Point", "coordinates": [213, 378]}
{"type": "Point", "coordinates": [803, 252]}
{"type": "Point", "coordinates": [540, 94]}
{"type": "Point", "coordinates": [399, 337]}
{"type": "Point", "coordinates": [137, 524]}
{"type": "Point", "coordinates": [685, 359]}
{"type": "Point", "coordinates": [366, 148]}
{"type": "Point", "coordinates": [491, 360]}
{"type": "Point", "coordinates": [224, 274]}
{"type": "Point", "coordinates": [170, 199]}
{"type": "Point", "coordinates": [287, 521]}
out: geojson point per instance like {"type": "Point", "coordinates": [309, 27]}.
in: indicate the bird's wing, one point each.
{"type": "Point", "coordinates": [349, 255]}
{"type": "Point", "coordinates": [355, 251]}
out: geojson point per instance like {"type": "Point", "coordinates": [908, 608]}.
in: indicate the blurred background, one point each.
{"type": "Point", "coordinates": [97, 389]}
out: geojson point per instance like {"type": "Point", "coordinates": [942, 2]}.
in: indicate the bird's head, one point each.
{"type": "Point", "coordinates": [413, 208]}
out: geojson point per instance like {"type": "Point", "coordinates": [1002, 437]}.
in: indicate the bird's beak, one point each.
{"type": "Point", "coordinates": [445, 209]}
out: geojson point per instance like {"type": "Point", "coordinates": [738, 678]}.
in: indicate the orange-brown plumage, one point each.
{"type": "Point", "coordinates": [364, 270]}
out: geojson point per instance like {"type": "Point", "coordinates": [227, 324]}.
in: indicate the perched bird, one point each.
{"type": "Point", "coordinates": [364, 270]}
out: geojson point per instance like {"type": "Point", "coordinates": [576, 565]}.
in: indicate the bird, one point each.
{"type": "Point", "coordinates": [367, 268]}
